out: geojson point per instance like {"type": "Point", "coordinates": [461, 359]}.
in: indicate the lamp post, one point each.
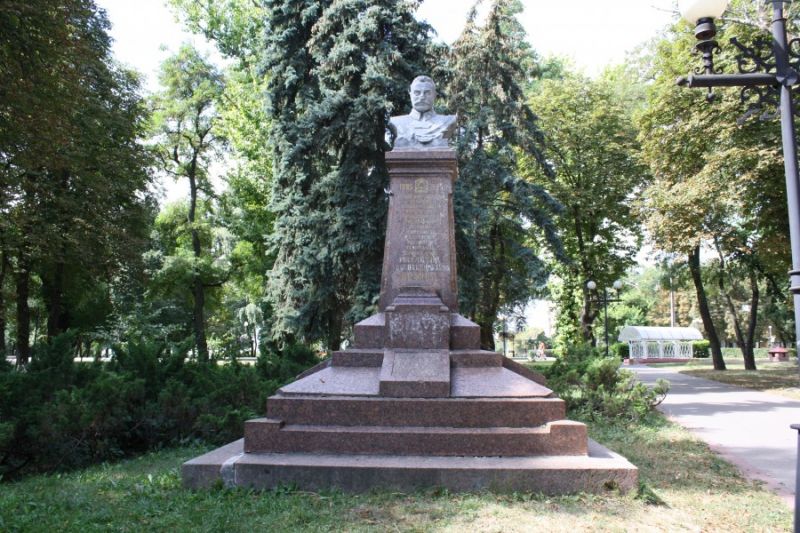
{"type": "Point", "coordinates": [767, 77]}
{"type": "Point", "coordinates": [605, 300]}
{"type": "Point", "coordinates": [504, 335]}
{"type": "Point", "coordinates": [777, 75]}
{"type": "Point", "coordinates": [797, 482]}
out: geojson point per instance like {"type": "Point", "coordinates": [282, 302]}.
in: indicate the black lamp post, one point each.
{"type": "Point", "coordinates": [605, 300]}
{"type": "Point", "coordinates": [765, 77]}
{"type": "Point", "coordinates": [797, 482]}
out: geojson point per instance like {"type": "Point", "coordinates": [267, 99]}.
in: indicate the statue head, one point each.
{"type": "Point", "coordinates": [423, 94]}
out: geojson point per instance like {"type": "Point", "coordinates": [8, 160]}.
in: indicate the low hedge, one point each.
{"type": "Point", "coordinates": [700, 349]}
{"type": "Point", "coordinates": [57, 414]}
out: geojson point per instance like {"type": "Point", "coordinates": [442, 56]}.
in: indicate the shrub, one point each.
{"type": "Point", "coordinates": [621, 349]}
{"type": "Point", "coordinates": [57, 414]}
{"type": "Point", "coordinates": [594, 386]}
{"type": "Point", "coordinates": [700, 349]}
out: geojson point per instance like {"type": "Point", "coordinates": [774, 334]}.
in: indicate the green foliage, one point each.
{"type": "Point", "coordinates": [186, 139]}
{"type": "Point", "coordinates": [59, 414]}
{"type": "Point", "coordinates": [621, 350]}
{"type": "Point", "coordinates": [597, 178]}
{"type": "Point", "coordinates": [722, 191]}
{"type": "Point", "coordinates": [291, 361]}
{"type": "Point", "coordinates": [74, 198]}
{"type": "Point", "coordinates": [700, 349]}
{"type": "Point", "coordinates": [236, 26]}
{"type": "Point", "coordinates": [595, 387]}
{"type": "Point", "coordinates": [503, 222]}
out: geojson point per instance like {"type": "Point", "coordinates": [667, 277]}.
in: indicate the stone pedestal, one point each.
{"type": "Point", "coordinates": [415, 402]}
{"type": "Point", "coordinates": [420, 248]}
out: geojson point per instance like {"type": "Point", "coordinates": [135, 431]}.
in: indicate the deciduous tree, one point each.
{"type": "Point", "coordinates": [592, 148]}
{"type": "Point", "coordinates": [187, 141]}
{"type": "Point", "coordinates": [74, 179]}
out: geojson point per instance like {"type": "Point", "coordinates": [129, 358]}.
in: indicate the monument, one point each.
{"type": "Point", "coordinates": [415, 402]}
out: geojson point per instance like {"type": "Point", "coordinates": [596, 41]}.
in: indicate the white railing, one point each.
{"type": "Point", "coordinates": [660, 349]}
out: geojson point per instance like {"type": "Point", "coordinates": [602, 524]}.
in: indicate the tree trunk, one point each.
{"type": "Point", "coordinates": [198, 290]}
{"type": "Point", "coordinates": [487, 335]}
{"type": "Point", "coordinates": [3, 271]}
{"type": "Point", "coordinates": [588, 316]}
{"type": "Point", "coordinates": [490, 290]}
{"type": "Point", "coordinates": [750, 357]}
{"type": "Point", "coordinates": [198, 319]}
{"type": "Point", "coordinates": [705, 312]}
{"type": "Point", "coordinates": [335, 327]}
{"type": "Point", "coordinates": [587, 319]}
{"type": "Point", "coordinates": [53, 296]}
{"type": "Point", "coordinates": [23, 313]}
{"type": "Point", "coordinates": [743, 341]}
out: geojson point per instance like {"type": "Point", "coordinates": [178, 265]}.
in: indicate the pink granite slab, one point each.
{"type": "Point", "coordinates": [445, 412]}
{"type": "Point", "coordinates": [337, 380]}
{"type": "Point", "coordinates": [556, 438]}
{"type": "Point", "coordinates": [493, 382]}
{"type": "Point", "coordinates": [421, 374]}
{"type": "Point", "coordinates": [600, 471]}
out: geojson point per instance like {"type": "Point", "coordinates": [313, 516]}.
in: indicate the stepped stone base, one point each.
{"type": "Point", "coordinates": [459, 419]}
{"type": "Point", "coordinates": [598, 471]}
{"type": "Point", "coordinates": [416, 403]}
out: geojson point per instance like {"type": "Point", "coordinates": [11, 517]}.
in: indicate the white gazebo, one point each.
{"type": "Point", "coordinates": [646, 342]}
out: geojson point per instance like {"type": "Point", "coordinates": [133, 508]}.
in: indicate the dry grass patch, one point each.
{"type": "Point", "coordinates": [776, 377]}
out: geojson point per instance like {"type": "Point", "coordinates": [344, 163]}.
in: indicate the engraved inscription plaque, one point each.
{"type": "Point", "coordinates": [420, 242]}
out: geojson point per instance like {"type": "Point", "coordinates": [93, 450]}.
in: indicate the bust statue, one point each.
{"type": "Point", "coordinates": [422, 128]}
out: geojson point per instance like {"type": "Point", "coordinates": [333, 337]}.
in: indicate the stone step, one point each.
{"type": "Point", "coordinates": [385, 411]}
{"type": "Point", "coordinates": [415, 374]}
{"type": "Point", "coordinates": [369, 357]}
{"type": "Point", "coordinates": [475, 358]}
{"type": "Point", "coordinates": [464, 333]}
{"type": "Point", "coordinates": [370, 333]}
{"type": "Point", "coordinates": [563, 437]}
{"type": "Point", "coordinates": [600, 471]}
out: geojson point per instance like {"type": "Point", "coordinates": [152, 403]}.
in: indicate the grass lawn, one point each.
{"type": "Point", "coordinates": [685, 487]}
{"type": "Point", "coordinates": [776, 377]}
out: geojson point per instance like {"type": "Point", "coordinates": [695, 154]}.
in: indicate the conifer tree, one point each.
{"type": "Point", "coordinates": [502, 221]}
{"type": "Point", "coordinates": [337, 71]}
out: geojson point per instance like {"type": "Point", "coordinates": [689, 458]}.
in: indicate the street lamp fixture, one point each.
{"type": "Point", "coordinates": [703, 13]}
{"type": "Point", "coordinates": [605, 300]}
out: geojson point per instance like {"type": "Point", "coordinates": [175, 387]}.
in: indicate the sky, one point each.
{"type": "Point", "coordinates": [592, 33]}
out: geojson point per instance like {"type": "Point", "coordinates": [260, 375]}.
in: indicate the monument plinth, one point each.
{"type": "Point", "coordinates": [415, 402]}
{"type": "Point", "coordinates": [420, 248]}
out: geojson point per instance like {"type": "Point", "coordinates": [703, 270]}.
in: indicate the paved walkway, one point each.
{"type": "Point", "coordinates": [748, 428]}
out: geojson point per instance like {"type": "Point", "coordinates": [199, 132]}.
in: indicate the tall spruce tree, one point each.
{"type": "Point", "coordinates": [337, 70]}
{"type": "Point", "coordinates": [502, 220]}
